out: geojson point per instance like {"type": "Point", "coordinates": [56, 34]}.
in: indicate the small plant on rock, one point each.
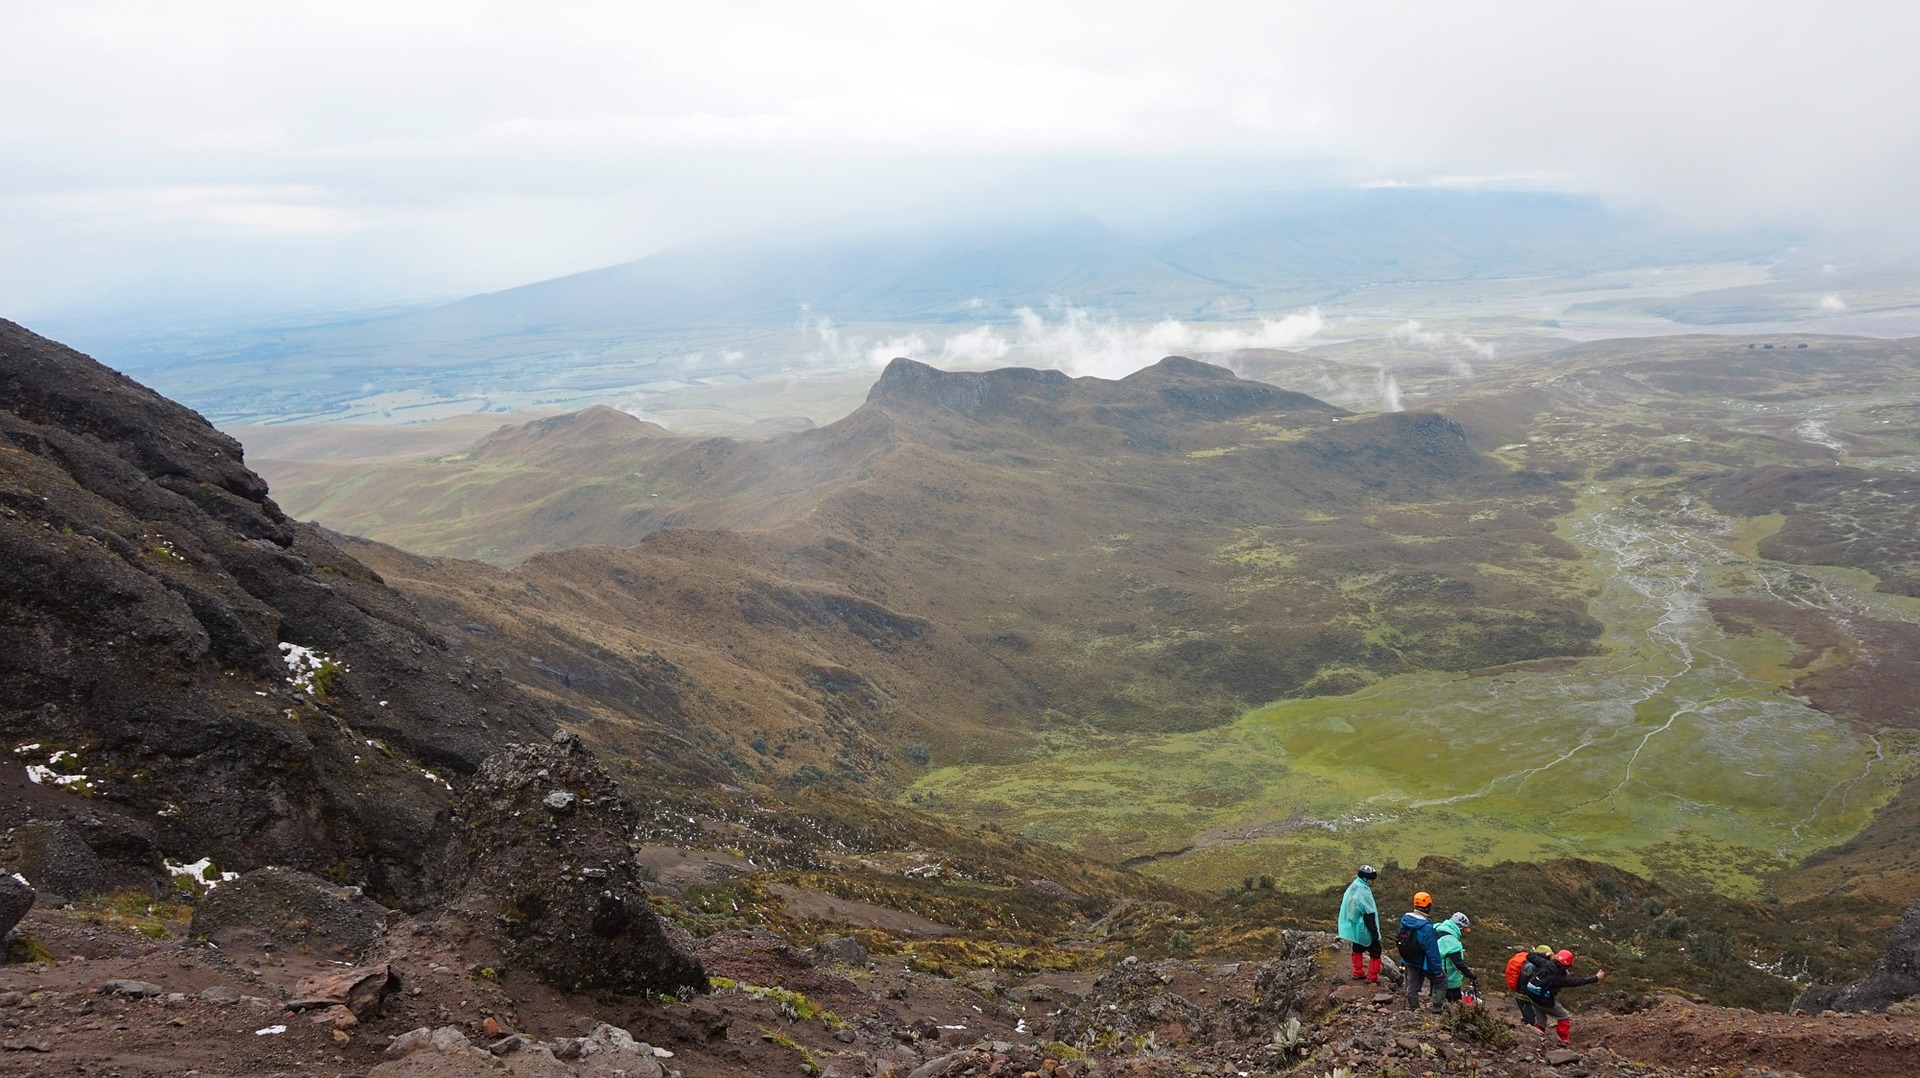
{"type": "Point", "coordinates": [1478, 1025]}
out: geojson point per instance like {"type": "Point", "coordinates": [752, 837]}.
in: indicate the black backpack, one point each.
{"type": "Point", "coordinates": [1408, 940]}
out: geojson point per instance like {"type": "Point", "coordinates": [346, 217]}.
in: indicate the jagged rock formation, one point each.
{"type": "Point", "coordinates": [541, 861]}
{"type": "Point", "coordinates": [214, 678]}
{"type": "Point", "coordinates": [1895, 977]}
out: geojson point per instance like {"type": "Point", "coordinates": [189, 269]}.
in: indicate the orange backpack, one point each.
{"type": "Point", "coordinates": [1514, 965]}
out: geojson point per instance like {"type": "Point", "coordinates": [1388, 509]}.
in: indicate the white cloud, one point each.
{"type": "Point", "coordinates": [1074, 340]}
{"type": "Point", "coordinates": [879, 355]}
{"type": "Point", "coordinates": [1832, 302]}
{"type": "Point", "coordinates": [474, 145]}
{"type": "Point", "coordinates": [1389, 393]}
{"type": "Point", "coordinates": [982, 345]}
{"type": "Point", "coordinates": [1447, 345]}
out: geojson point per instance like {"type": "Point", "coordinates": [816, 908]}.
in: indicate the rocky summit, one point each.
{"type": "Point", "coordinates": [213, 679]}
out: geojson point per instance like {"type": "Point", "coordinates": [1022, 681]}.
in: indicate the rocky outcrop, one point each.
{"type": "Point", "coordinates": [541, 861]}
{"type": "Point", "coordinates": [175, 648]}
{"type": "Point", "coordinates": [55, 856]}
{"type": "Point", "coordinates": [285, 907]}
{"type": "Point", "coordinates": [1895, 976]}
{"type": "Point", "coordinates": [1131, 1000]}
{"type": "Point", "coordinates": [16, 898]}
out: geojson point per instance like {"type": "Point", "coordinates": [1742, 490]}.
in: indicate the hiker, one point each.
{"type": "Point", "coordinates": [1360, 924]}
{"type": "Point", "coordinates": [1420, 953]}
{"type": "Point", "coordinates": [1453, 955]}
{"type": "Point", "coordinates": [1520, 967]}
{"type": "Point", "coordinates": [1548, 979]}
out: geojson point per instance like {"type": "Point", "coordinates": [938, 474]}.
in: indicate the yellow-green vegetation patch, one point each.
{"type": "Point", "coordinates": [794, 1005]}
{"type": "Point", "coordinates": [1678, 751]}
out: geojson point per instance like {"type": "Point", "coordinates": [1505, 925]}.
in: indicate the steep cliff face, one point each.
{"type": "Point", "coordinates": [180, 659]}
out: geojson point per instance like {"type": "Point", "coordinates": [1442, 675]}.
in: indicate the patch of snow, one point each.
{"type": "Point", "coordinates": [22, 879]}
{"type": "Point", "coordinates": [24, 749]}
{"type": "Point", "coordinates": [304, 664]}
{"type": "Point", "coordinates": [40, 775]}
{"type": "Point", "coordinates": [197, 872]}
{"type": "Point", "coordinates": [269, 1031]}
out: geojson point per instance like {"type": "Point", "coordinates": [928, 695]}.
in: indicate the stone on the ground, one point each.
{"type": "Point", "coordinates": [433, 1053]}
{"type": "Point", "coordinates": [16, 899]}
{"type": "Point", "coordinates": [360, 991]}
{"type": "Point", "coordinates": [607, 1051]}
{"type": "Point", "coordinates": [841, 950]}
{"type": "Point", "coordinates": [284, 906]}
{"type": "Point", "coordinates": [56, 857]}
{"type": "Point", "coordinates": [560, 892]}
{"type": "Point", "coordinates": [136, 989]}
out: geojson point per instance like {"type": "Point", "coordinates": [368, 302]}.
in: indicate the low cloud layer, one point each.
{"type": "Point", "coordinates": [1058, 337]}
{"type": "Point", "coordinates": [354, 150]}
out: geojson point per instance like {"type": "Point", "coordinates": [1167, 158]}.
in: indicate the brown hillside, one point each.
{"type": "Point", "coordinates": [149, 591]}
{"type": "Point", "coordinates": [971, 558]}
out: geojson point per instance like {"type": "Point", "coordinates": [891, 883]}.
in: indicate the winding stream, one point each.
{"type": "Point", "coordinates": [1679, 750]}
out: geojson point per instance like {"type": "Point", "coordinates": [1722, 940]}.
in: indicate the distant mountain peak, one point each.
{"type": "Point", "coordinates": [911, 383]}
{"type": "Point", "coordinates": [1183, 367]}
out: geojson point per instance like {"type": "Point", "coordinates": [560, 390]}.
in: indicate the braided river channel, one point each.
{"type": "Point", "coordinates": [1679, 751]}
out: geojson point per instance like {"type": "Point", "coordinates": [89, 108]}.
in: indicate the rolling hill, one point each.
{"type": "Point", "coordinates": [972, 563]}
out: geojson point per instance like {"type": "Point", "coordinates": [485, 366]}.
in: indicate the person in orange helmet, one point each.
{"type": "Point", "coordinates": [1543, 988]}
{"type": "Point", "coordinates": [1420, 953]}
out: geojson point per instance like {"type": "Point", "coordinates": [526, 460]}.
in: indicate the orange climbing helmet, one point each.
{"type": "Point", "coordinates": [1422, 900]}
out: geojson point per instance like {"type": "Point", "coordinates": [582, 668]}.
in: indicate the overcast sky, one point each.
{"type": "Point", "coordinates": [290, 153]}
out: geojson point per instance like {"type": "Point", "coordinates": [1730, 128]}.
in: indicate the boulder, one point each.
{"type": "Point", "coordinates": [560, 893]}
{"type": "Point", "coordinates": [283, 906]}
{"type": "Point", "coordinates": [1130, 999]}
{"type": "Point", "coordinates": [16, 898]}
{"type": "Point", "coordinates": [608, 1051]}
{"type": "Point", "coordinates": [841, 951]}
{"type": "Point", "coordinates": [56, 857]}
{"type": "Point", "coordinates": [358, 991]}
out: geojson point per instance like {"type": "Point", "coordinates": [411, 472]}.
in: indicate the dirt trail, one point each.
{"type": "Point", "coordinates": [221, 1013]}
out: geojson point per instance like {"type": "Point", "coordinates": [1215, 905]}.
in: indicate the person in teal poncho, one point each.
{"type": "Point", "coordinates": [1453, 955]}
{"type": "Point", "coordinates": [1360, 924]}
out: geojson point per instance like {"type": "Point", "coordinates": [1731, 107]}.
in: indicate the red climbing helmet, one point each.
{"type": "Point", "coordinates": [1565, 958]}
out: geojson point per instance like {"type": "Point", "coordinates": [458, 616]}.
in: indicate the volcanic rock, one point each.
{"type": "Point", "coordinates": [358, 991]}
{"type": "Point", "coordinates": [560, 893]}
{"type": "Point", "coordinates": [1126, 1001]}
{"type": "Point", "coordinates": [285, 906]}
{"type": "Point", "coordinates": [16, 899]}
{"type": "Point", "coordinates": [56, 857]}
{"type": "Point", "coordinates": [1894, 977]}
{"type": "Point", "coordinates": [149, 586]}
